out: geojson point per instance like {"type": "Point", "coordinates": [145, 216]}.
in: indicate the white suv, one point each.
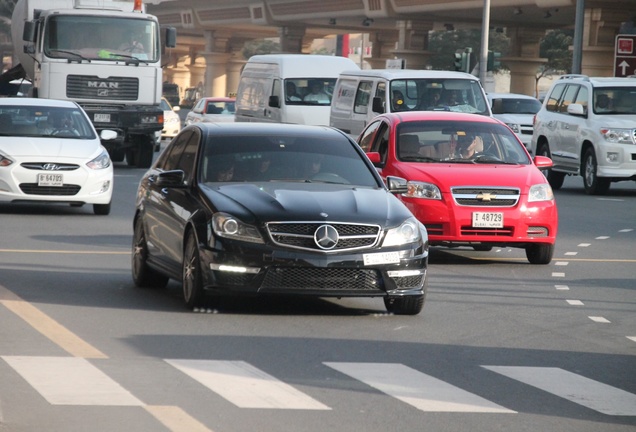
{"type": "Point", "coordinates": [588, 127]}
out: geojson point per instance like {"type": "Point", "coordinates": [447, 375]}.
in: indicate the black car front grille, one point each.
{"type": "Point", "coordinates": [486, 196]}
{"type": "Point", "coordinates": [327, 280]}
{"type": "Point", "coordinates": [41, 166]}
{"type": "Point", "coordinates": [93, 87]}
{"type": "Point", "coordinates": [300, 235]}
{"type": "Point", "coordinates": [34, 189]}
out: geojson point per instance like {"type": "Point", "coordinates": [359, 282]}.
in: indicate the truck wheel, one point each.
{"type": "Point", "coordinates": [146, 151]}
{"type": "Point", "coordinates": [131, 157]}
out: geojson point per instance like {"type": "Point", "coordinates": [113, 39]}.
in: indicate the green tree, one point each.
{"type": "Point", "coordinates": [260, 46]}
{"type": "Point", "coordinates": [555, 46]}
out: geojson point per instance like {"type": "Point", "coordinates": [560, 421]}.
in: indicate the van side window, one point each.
{"type": "Point", "coordinates": [363, 95]}
{"type": "Point", "coordinates": [380, 92]}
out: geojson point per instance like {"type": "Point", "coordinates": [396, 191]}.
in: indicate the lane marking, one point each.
{"type": "Point", "coordinates": [46, 325]}
{"type": "Point", "coordinates": [71, 381]}
{"type": "Point", "coordinates": [557, 274]}
{"type": "Point", "coordinates": [421, 391]}
{"type": "Point", "coordinates": [561, 263]}
{"type": "Point", "coordinates": [602, 238]}
{"type": "Point", "coordinates": [571, 253]}
{"type": "Point", "coordinates": [599, 319]}
{"type": "Point", "coordinates": [626, 230]}
{"type": "Point", "coordinates": [562, 287]}
{"type": "Point", "coordinates": [575, 302]}
{"type": "Point", "coordinates": [576, 388]}
{"type": "Point", "coordinates": [176, 419]}
{"type": "Point", "coordinates": [585, 244]}
{"type": "Point", "coordinates": [245, 386]}
{"type": "Point", "coordinates": [632, 338]}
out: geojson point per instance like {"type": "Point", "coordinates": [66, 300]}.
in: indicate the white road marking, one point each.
{"type": "Point", "coordinates": [244, 385]}
{"type": "Point", "coordinates": [602, 238]}
{"type": "Point", "coordinates": [424, 392]}
{"type": "Point", "coordinates": [576, 388]}
{"type": "Point", "coordinates": [585, 244]}
{"type": "Point", "coordinates": [575, 302]}
{"type": "Point", "coordinates": [599, 319]}
{"type": "Point", "coordinates": [71, 381]}
{"type": "Point", "coordinates": [562, 287]}
{"type": "Point", "coordinates": [626, 230]}
{"type": "Point", "coordinates": [557, 274]}
{"type": "Point", "coordinates": [632, 338]}
{"type": "Point", "coordinates": [571, 253]}
{"type": "Point", "coordinates": [561, 263]}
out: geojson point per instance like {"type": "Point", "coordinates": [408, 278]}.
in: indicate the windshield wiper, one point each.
{"type": "Point", "coordinates": [72, 53]}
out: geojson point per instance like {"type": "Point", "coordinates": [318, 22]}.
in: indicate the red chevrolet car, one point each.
{"type": "Point", "coordinates": [471, 182]}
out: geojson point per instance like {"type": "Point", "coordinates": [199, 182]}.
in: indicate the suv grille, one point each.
{"type": "Point", "coordinates": [485, 196]}
{"type": "Point", "coordinates": [300, 235]}
{"type": "Point", "coordinates": [92, 87]}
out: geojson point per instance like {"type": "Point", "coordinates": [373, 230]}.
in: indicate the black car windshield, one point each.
{"type": "Point", "coordinates": [461, 142]}
{"type": "Point", "coordinates": [45, 122]}
{"type": "Point", "coordinates": [291, 158]}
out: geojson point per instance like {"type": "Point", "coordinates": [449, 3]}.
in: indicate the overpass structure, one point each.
{"type": "Point", "coordinates": [213, 33]}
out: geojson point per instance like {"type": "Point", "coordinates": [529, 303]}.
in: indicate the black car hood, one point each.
{"type": "Point", "coordinates": [264, 202]}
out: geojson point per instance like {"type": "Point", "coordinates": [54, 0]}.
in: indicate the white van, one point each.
{"type": "Point", "coordinates": [361, 95]}
{"type": "Point", "coordinates": [288, 88]}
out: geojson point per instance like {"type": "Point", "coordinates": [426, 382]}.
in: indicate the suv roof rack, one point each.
{"type": "Point", "coordinates": [575, 76]}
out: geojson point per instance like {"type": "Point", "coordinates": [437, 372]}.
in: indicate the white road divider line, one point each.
{"type": "Point", "coordinates": [575, 302]}
{"type": "Point", "coordinates": [599, 319]}
{"type": "Point", "coordinates": [71, 381]}
{"type": "Point", "coordinates": [562, 287]}
{"type": "Point", "coordinates": [244, 385]}
{"type": "Point", "coordinates": [422, 391]}
{"type": "Point", "coordinates": [576, 388]}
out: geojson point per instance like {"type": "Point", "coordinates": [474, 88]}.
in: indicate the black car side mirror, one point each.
{"type": "Point", "coordinates": [174, 179]}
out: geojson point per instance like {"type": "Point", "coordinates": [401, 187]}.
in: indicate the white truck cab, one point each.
{"type": "Point", "coordinates": [360, 95]}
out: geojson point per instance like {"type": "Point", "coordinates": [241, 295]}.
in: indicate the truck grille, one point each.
{"type": "Point", "coordinates": [92, 87]}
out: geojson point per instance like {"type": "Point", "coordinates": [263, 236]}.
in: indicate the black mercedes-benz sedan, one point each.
{"type": "Point", "coordinates": [276, 209]}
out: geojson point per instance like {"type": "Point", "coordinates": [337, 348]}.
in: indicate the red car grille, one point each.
{"type": "Point", "coordinates": [499, 232]}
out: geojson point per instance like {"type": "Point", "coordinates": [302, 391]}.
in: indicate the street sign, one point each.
{"type": "Point", "coordinates": [625, 55]}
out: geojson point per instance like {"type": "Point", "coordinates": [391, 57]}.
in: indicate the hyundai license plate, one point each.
{"type": "Point", "coordinates": [488, 220]}
{"type": "Point", "coordinates": [50, 180]}
{"type": "Point", "coordinates": [101, 118]}
{"type": "Point", "coordinates": [381, 258]}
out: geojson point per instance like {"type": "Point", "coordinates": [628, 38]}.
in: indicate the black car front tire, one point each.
{"type": "Point", "coordinates": [540, 253]}
{"type": "Point", "coordinates": [193, 292]}
{"type": "Point", "coordinates": [144, 276]}
{"type": "Point", "coordinates": [408, 305]}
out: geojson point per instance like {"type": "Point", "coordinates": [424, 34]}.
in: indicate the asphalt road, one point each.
{"type": "Point", "coordinates": [501, 345]}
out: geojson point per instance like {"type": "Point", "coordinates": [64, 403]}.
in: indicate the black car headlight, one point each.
{"type": "Point", "coordinates": [407, 232]}
{"type": "Point", "coordinates": [227, 226]}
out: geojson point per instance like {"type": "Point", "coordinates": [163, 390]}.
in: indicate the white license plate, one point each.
{"type": "Point", "coordinates": [102, 118]}
{"type": "Point", "coordinates": [50, 180]}
{"type": "Point", "coordinates": [488, 220]}
{"type": "Point", "coordinates": [381, 258]}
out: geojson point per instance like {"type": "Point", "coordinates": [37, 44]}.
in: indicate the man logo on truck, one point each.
{"type": "Point", "coordinates": [103, 84]}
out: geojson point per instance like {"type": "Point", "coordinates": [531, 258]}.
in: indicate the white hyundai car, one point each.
{"type": "Point", "coordinates": [50, 152]}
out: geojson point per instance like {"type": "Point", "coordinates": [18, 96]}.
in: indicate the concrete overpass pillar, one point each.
{"type": "Point", "coordinates": [599, 31]}
{"type": "Point", "coordinates": [291, 39]}
{"type": "Point", "coordinates": [383, 44]}
{"type": "Point", "coordinates": [235, 65]}
{"type": "Point", "coordinates": [412, 44]}
{"type": "Point", "coordinates": [523, 59]}
{"type": "Point", "coordinates": [216, 57]}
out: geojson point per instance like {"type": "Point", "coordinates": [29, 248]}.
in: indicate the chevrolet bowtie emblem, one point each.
{"type": "Point", "coordinates": [486, 197]}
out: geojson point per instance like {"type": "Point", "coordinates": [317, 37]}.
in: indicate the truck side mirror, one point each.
{"type": "Point", "coordinates": [28, 34]}
{"type": "Point", "coordinates": [171, 37]}
{"type": "Point", "coordinates": [274, 102]}
{"type": "Point", "coordinates": [378, 105]}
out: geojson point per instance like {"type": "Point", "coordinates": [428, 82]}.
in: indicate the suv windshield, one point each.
{"type": "Point", "coordinates": [459, 95]}
{"type": "Point", "coordinates": [615, 100]}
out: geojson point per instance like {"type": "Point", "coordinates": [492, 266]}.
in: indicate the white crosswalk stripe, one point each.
{"type": "Point", "coordinates": [246, 386]}
{"type": "Point", "coordinates": [581, 390]}
{"type": "Point", "coordinates": [71, 381]}
{"type": "Point", "coordinates": [422, 391]}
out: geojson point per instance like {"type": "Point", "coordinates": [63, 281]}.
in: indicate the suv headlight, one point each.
{"type": "Point", "coordinates": [408, 232]}
{"type": "Point", "coordinates": [422, 190]}
{"type": "Point", "coordinates": [225, 225]}
{"type": "Point", "coordinates": [540, 192]}
{"type": "Point", "coordinates": [618, 136]}
{"type": "Point", "coordinates": [100, 162]}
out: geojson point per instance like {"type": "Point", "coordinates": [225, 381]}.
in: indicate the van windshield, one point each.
{"type": "Point", "coordinates": [459, 95]}
{"type": "Point", "coordinates": [309, 91]}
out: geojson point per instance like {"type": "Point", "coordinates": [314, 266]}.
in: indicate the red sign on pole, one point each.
{"type": "Point", "coordinates": [625, 56]}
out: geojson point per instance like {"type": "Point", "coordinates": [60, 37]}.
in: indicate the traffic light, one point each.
{"type": "Point", "coordinates": [462, 59]}
{"type": "Point", "coordinates": [493, 61]}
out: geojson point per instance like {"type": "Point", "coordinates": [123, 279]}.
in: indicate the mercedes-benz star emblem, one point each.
{"type": "Point", "coordinates": [326, 237]}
